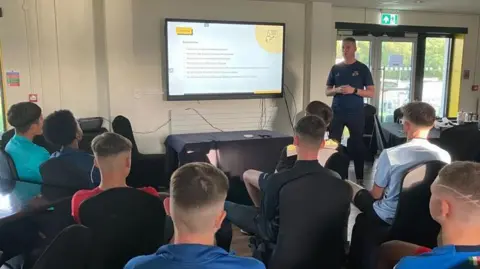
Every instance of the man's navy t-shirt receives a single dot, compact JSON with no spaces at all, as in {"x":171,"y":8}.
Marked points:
{"x":358,"y":76}
{"x":187,"y":256}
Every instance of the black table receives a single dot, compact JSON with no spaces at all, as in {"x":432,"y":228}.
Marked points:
{"x":395,"y":136}
{"x":232,"y":152}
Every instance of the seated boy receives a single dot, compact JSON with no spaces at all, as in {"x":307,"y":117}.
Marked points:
{"x":27,"y":120}
{"x":308,"y":139}
{"x":61,"y":129}
{"x":198,"y":192}
{"x":455,"y":205}
{"x":113,"y":158}
{"x":289,"y":154}
{"x":379,"y":205}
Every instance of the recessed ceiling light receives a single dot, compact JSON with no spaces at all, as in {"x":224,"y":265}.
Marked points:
{"x":419,"y":2}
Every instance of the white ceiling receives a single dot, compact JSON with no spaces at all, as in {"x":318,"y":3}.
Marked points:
{"x":450,"y":6}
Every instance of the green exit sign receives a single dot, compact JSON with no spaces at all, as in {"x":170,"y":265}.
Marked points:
{"x":389,"y":19}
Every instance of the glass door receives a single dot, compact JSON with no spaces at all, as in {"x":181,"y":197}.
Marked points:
{"x":394,"y":76}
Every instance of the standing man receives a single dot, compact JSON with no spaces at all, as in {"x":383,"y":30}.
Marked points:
{"x":349,"y":82}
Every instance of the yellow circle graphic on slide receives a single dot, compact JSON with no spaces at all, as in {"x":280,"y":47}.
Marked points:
{"x":270,"y":37}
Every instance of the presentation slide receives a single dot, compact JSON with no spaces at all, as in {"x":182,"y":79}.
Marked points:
{"x":217,"y":58}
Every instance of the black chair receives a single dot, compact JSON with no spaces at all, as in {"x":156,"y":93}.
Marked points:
{"x":413,"y":222}
{"x":126,"y":223}
{"x":8,"y":173}
{"x":462,"y":141}
{"x":70,"y":249}
{"x":380,"y":137}
{"x":369,"y":131}
{"x":313,"y":240}
{"x":147,"y":169}
{"x":339,"y":163}
{"x":397,"y":115}
{"x":62,"y":179}
{"x":91,"y":127}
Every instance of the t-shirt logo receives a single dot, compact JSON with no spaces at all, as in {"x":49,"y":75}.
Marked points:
{"x":337,"y":74}
{"x":355,"y":73}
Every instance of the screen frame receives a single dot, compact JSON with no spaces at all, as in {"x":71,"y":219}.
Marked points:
{"x":216,"y":96}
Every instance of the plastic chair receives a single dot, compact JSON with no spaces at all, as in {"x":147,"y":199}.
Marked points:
{"x":147,"y":169}
{"x":70,"y":249}
{"x":126,"y":223}
{"x":413,"y":222}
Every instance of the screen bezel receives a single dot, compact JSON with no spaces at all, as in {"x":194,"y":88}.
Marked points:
{"x":216,"y":96}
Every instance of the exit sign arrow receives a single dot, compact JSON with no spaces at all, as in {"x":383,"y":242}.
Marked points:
{"x":389,"y":19}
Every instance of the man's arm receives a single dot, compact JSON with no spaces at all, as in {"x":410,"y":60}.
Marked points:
{"x":369,"y":92}
{"x":382,"y":176}
{"x":332,"y":91}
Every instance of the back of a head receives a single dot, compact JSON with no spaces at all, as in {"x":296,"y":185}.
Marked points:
{"x":112,"y":152}
{"x":458,"y":184}
{"x":198,"y":192}
{"x":420,"y":114}
{"x":321,"y":110}
{"x":310,"y":132}
{"x":60,"y":128}
{"x":23,"y":115}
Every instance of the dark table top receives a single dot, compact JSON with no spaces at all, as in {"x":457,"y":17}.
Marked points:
{"x":178,"y":141}
{"x":396,"y":129}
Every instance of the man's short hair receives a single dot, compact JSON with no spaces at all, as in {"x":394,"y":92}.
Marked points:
{"x":350,"y":39}
{"x":22,"y":115}
{"x":110,"y":144}
{"x":311,"y":130}
{"x":463,"y":177}
{"x":320,"y":109}
{"x":197,"y":185}
{"x":60,"y":128}
{"x":419,"y":113}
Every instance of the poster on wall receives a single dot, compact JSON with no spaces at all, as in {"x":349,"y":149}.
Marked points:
{"x":13,"y":79}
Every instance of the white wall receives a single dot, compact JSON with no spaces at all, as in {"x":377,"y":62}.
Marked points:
{"x":105,"y":57}
{"x":135,"y":47}
{"x":51,"y":44}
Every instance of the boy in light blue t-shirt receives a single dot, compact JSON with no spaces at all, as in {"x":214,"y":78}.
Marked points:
{"x":379,"y":205}
{"x":198,"y":192}
{"x":27,"y":120}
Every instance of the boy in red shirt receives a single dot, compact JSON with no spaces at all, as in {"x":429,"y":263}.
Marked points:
{"x":113,"y":158}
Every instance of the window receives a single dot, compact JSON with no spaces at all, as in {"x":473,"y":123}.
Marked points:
{"x":436,"y":73}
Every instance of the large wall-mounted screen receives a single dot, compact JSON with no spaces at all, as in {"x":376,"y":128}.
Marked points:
{"x":224,"y":60}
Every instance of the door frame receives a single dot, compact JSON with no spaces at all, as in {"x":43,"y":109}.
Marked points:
{"x":377,"y":70}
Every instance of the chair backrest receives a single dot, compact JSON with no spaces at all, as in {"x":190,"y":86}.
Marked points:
{"x":126,"y":223}
{"x":121,"y":125}
{"x":381,"y":141}
{"x":339,"y":163}
{"x":8,"y":173}
{"x":461,"y":141}
{"x":86,"y":142}
{"x":370,"y":112}
{"x":413,"y":222}
{"x":70,"y":249}
{"x":62,"y":179}
{"x":325,"y":154}
{"x":397,"y":115}
{"x":312,"y":237}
